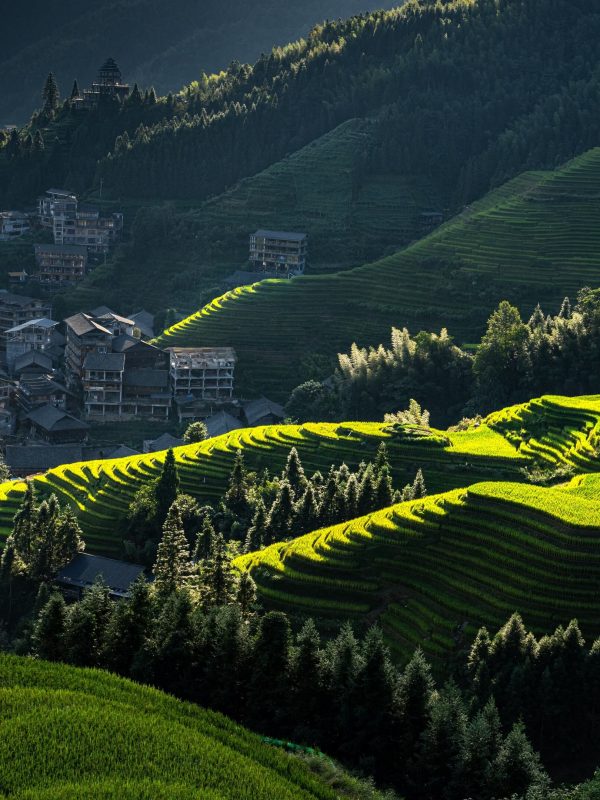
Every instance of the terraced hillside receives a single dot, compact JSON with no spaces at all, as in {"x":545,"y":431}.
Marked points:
{"x":102,"y":490}
{"x":319,"y":189}
{"x":74,"y":733}
{"x":434,"y":570}
{"x":536,"y":238}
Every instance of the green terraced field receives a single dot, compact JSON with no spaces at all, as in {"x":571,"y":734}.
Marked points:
{"x":533,"y":239}
{"x":102,"y":490}
{"x":432,"y":571}
{"x":70,"y":733}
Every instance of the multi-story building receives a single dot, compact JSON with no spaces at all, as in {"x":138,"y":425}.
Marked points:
{"x":60,"y":263}
{"x":89,"y":228}
{"x":103,"y":384}
{"x":15,"y":309}
{"x":12,"y":225}
{"x":56,"y":206}
{"x":278,"y":252}
{"x":108,"y":84}
{"x":205,"y":373}
{"x":37,"y":334}
{"x":84,"y":335}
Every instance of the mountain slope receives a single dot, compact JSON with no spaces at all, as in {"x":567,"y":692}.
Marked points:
{"x":102,"y":490}
{"x":534,"y":239}
{"x":433,"y":571}
{"x":73,"y":733}
{"x":168,"y":50}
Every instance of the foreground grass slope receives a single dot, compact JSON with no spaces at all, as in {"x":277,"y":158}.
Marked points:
{"x":102,"y":490}
{"x":73,"y":733}
{"x":535,"y":238}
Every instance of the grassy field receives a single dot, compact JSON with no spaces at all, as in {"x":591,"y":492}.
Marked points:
{"x":535,"y":238}
{"x":74,"y":733}
{"x":434,"y":570}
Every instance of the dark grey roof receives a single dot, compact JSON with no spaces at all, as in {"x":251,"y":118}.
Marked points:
{"x":124,"y":342}
{"x":283,"y":235}
{"x":70,"y":249}
{"x":33,"y":358}
{"x":147,"y":378}
{"x":122,"y":452}
{"x":112,"y":362}
{"x":163,"y":442}
{"x":35,"y":385}
{"x":222,"y":423}
{"x":55,"y":419}
{"x":255,"y":410}
{"x":101,"y":311}
{"x":8,"y":298}
{"x":85,"y":569}
{"x":82,"y":323}
{"x":144,"y":320}
{"x":39,"y":459}
{"x":63,"y":192}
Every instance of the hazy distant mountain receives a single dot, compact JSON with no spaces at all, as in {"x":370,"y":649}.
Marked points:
{"x":165,"y":45}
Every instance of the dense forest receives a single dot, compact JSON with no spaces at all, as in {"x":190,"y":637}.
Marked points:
{"x":166,"y":50}
{"x":468,"y":93}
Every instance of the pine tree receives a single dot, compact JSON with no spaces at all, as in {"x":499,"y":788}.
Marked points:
{"x":293,"y":473}
{"x":306,"y":512}
{"x":50,"y":95}
{"x":367,"y":492}
{"x":415,"y":695}
{"x":69,"y":539}
{"x":565,"y":309}
{"x":281,"y":515}
{"x":49,"y":631}
{"x":246,"y":594}
{"x":381,"y":459}
{"x":385,"y":490}
{"x":24,"y":525}
{"x":167,"y":485}
{"x":236,"y":498}
{"x":75,"y":90}
{"x":351,"y":497}
{"x":306,"y":681}
{"x":205,"y":541}
{"x":419,"y":490}
{"x":173,"y":556}
{"x":517,"y":767}
{"x":258,"y":531}
{"x":217,"y":575}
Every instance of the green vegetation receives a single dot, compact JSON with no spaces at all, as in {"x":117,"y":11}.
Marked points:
{"x":70,"y":733}
{"x":434,"y":570}
{"x":531,"y":241}
{"x":101,"y":491}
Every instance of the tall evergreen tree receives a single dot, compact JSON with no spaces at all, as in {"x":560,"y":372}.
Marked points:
{"x":173,"y":557}
{"x":293,"y":473}
{"x":50,"y":94}
{"x":48,"y":635}
{"x":167,"y":485}
{"x":258,"y":530}
{"x":281,"y":516}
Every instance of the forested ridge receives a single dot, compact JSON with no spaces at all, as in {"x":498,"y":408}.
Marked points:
{"x":154,"y":46}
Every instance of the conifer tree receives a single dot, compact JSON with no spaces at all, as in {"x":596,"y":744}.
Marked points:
{"x":419,"y":489}
{"x":385,"y":490}
{"x":236,"y":498}
{"x":50,"y":94}
{"x":167,"y":486}
{"x":281,"y":515}
{"x":75,"y":90}
{"x":24,"y":524}
{"x":258,"y":531}
{"x":517,"y":767}
{"x":49,"y":631}
{"x":173,"y":556}
{"x":205,"y":541}
{"x":351,"y":497}
{"x":367,"y":492}
{"x":217,"y":575}
{"x":246,"y":594}
{"x":381,"y":459}
{"x":306,"y":517}
{"x":293,"y":473}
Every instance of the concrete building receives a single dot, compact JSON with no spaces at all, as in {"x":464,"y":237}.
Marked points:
{"x":60,"y":263}
{"x":37,"y":334}
{"x":205,"y":373}
{"x":13,"y":224}
{"x":103,"y":384}
{"x":278,"y":252}
{"x":15,"y":309}
{"x":56,"y":206}
{"x":90,"y":229}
